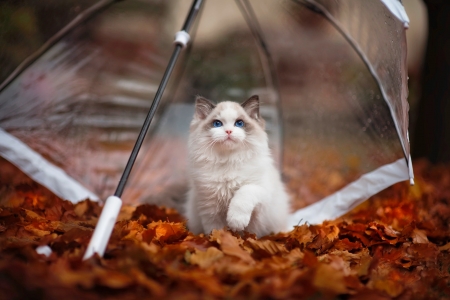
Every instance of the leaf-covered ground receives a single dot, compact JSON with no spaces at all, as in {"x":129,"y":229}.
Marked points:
{"x":395,"y":246}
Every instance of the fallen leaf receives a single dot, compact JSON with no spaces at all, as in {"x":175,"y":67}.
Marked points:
{"x":302,"y":234}
{"x":419,"y":236}
{"x":165,"y":232}
{"x":392,"y":288}
{"x":326,"y":237}
{"x":36,"y":231}
{"x":204,"y":259}
{"x":267,"y":246}
{"x":346,"y":244}
{"x":445,"y":247}
{"x":230,"y":245}
{"x":393,"y":246}
{"x":329,"y":279}
{"x":112,"y":279}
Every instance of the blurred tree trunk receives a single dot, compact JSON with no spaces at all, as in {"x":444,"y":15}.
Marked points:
{"x":432,"y":130}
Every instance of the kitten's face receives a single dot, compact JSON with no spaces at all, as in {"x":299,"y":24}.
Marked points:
{"x":228,"y":126}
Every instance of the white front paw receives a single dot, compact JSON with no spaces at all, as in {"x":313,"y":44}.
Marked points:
{"x":237,"y":220}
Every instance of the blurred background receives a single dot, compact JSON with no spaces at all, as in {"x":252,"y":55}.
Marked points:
{"x":131,"y":42}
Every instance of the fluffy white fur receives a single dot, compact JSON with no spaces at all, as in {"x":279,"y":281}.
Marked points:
{"x":233,"y":181}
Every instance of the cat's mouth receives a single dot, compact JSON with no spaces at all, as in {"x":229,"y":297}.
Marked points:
{"x":228,"y":140}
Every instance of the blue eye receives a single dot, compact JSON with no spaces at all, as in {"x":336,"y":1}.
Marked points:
{"x":239,"y":123}
{"x":217,"y":123}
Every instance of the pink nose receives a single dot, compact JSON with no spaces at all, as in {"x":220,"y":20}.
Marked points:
{"x":228,"y":131}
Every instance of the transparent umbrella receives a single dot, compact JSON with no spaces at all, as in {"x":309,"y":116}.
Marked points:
{"x":331,"y":76}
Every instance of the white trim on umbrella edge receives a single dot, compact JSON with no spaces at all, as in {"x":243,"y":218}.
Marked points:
{"x":41,"y":170}
{"x":355,"y":193}
{"x":396,"y":7}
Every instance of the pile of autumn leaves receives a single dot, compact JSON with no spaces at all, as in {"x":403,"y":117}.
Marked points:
{"x":394,"y":246}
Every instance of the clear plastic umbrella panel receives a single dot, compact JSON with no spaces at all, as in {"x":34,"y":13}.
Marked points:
{"x":331,"y":77}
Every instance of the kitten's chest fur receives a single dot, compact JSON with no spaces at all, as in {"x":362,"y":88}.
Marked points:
{"x":219,"y":182}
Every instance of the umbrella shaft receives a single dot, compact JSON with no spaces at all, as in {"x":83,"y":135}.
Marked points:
{"x":151,"y":113}
{"x":147,"y":122}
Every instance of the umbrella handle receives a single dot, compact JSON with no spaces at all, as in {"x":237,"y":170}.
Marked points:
{"x":104,"y":227}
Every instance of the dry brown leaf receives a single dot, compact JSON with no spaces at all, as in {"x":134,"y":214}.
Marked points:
{"x":151,"y":285}
{"x":36,"y":231}
{"x":389,"y":231}
{"x":329,"y":279}
{"x":133,"y":231}
{"x":267,"y":246}
{"x":294,"y":256}
{"x":32,"y":216}
{"x":362,"y":267}
{"x":346,"y":244}
{"x":392,"y":288}
{"x":126,"y":212}
{"x":446,"y":247}
{"x":302,"y":234}
{"x":54,"y":213}
{"x":204,"y":259}
{"x":419,"y":236}
{"x":112,"y":278}
{"x":333,"y":233}
{"x":230,"y":245}
{"x":152,"y":255}
{"x":199,"y":279}
{"x":63,"y":273}
{"x":326,"y":237}
{"x":81,"y":208}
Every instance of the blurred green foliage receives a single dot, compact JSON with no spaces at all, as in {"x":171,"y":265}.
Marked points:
{"x":19,"y":36}
{"x":25,"y":25}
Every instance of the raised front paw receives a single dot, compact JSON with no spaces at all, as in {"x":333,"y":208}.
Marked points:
{"x":237,"y":220}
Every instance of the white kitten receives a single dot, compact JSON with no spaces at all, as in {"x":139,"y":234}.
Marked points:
{"x":233,"y":181}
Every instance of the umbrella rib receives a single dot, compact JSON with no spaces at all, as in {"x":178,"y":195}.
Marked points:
{"x":151,"y":113}
{"x":269,"y":69}
{"x":318,"y":8}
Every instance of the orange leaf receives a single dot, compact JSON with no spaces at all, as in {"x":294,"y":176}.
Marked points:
{"x":166,"y":232}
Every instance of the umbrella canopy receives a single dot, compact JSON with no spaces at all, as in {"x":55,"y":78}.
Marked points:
{"x":331,"y":76}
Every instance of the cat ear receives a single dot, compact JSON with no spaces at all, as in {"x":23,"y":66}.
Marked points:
{"x":251,"y":106}
{"x":203,"y":107}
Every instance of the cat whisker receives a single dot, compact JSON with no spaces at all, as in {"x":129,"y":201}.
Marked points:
{"x":247,"y":145}
{"x":210,"y":146}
